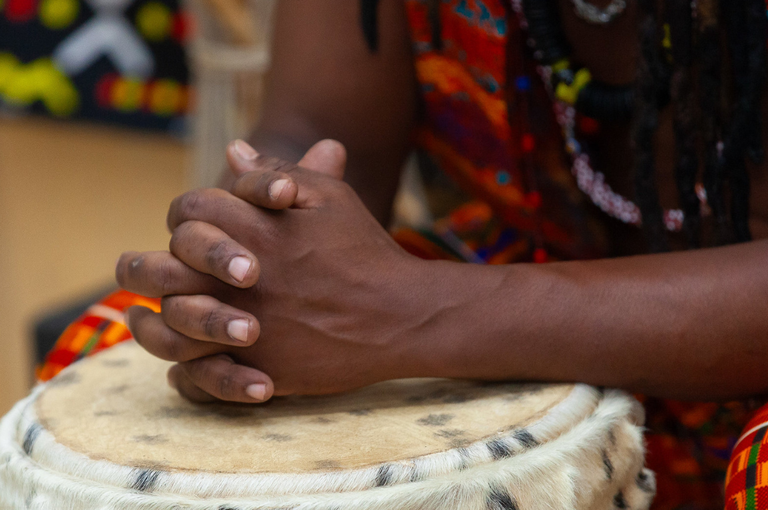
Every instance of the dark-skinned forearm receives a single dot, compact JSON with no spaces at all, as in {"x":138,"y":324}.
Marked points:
{"x":691,"y":325}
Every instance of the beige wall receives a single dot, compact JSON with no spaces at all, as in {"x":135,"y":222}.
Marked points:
{"x":72,"y":198}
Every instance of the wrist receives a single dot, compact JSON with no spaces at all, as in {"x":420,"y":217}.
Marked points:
{"x":417,"y":289}
{"x":440,"y":335}
{"x":483,"y":322}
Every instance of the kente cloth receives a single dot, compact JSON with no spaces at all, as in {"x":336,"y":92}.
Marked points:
{"x":100,"y":327}
{"x":496,"y":201}
{"x":746,"y":482}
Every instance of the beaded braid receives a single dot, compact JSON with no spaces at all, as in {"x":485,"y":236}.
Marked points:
{"x":681,"y":33}
{"x":746,"y":32}
{"x":710,"y":63}
{"x":646,"y":123}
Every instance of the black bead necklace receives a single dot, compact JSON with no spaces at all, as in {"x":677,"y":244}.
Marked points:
{"x":576,"y":87}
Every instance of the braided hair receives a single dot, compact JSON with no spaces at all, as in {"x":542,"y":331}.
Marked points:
{"x":684,"y":98}
{"x":728,"y":136}
{"x":710,"y":114}
{"x":691,"y":76}
{"x":650,"y":69}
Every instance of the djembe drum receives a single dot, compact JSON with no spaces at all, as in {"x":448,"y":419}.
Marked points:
{"x":108,"y":433}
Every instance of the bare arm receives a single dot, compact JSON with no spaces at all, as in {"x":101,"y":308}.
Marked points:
{"x":689,"y":325}
{"x":350,"y":307}
{"x":326,"y":83}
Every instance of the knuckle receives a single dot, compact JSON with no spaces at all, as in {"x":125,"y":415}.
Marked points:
{"x":180,"y":233}
{"x":170,"y":309}
{"x":217,"y":255}
{"x":272,"y":164}
{"x":262,"y":185}
{"x":188,"y":204}
{"x":170,"y":347}
{"x":164,"y":277}
{"x":226,"y":385}
{"x":209,"y":323}
{"x":193,"y":203}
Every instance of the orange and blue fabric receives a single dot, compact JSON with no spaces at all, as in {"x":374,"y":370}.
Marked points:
{"x":99,"y":328}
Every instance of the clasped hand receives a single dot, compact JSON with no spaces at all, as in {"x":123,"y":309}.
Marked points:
{"x":286,"y":285}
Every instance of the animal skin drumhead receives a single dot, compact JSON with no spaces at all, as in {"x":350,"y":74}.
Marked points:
{"x":109,"y":431}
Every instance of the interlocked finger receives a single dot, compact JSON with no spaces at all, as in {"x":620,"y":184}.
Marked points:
{"x":159,"y":273}
{"x":179,"y":381}
{"x":207,"y":319}
{"x":209,"y":250}
{"x":150,"y":331}
{"x":276,"y":189}
{"x":224,"y":379}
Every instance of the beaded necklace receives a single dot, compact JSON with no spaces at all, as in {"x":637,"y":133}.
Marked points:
{"x":576,"y":91}
{"x":596,"y":16}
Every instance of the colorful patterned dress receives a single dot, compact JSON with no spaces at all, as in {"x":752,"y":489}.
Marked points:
{"x":509,"y":197}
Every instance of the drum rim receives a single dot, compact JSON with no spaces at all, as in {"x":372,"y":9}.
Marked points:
{"x":580,"y":403}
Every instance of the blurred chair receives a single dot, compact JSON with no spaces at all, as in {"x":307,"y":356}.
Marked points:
{"x":229,"y":57}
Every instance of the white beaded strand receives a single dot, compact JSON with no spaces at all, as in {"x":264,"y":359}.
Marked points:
{"x":589,"y":181}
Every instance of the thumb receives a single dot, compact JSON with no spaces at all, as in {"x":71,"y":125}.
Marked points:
{"x":327,"y":157}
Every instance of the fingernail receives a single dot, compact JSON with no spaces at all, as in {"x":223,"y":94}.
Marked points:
{"x":245,"y":151}
{"x":239,"y":267}
{"x":256,"y":391}
{"x":238,"y":330}
{"x":276,"y":188}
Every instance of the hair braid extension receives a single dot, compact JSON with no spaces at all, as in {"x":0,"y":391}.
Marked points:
{"x":710,"y":89}
{"x":747,"y":45}
{"x":734,"y":144}
{"x":756,"y":49}
{"x":646,"y":123}
{"x":435,"y":24}
{"x":369,"y":17}
{"x":681,"y":28}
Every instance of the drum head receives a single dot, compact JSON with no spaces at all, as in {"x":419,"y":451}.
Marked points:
{"x":109,"y":432}
{"x":119,"y":407}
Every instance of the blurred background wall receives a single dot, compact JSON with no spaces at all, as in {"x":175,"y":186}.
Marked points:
{"x":72,"y":198}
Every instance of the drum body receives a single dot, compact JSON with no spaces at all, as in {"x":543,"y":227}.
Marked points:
{"x":108,"y":433}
